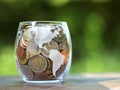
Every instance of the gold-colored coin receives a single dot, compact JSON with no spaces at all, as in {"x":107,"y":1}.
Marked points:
{"x":27,"y":35}
{"x":37,"y":63}
{"x":23,"y":60}
{"x":26,"y":71}
{"x":21,"y":55}
{"x":27,"y":25}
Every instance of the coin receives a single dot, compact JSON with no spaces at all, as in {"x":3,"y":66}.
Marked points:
{"x":37,"y":63}
{"x":23,"y":60}
{"x":64,"y":46}
{"x":41,"y":76}
{"x":44,"y":52}
{"x":50,"y":74}
{"x":25,"y":26}
{"x":65,"y":53}
{"x":26,"y":71}
{"x":49,"y":64}
{"x":49,"y":69}
{"x":59,"y":38}
{"x":60,"y":70}
{"x":20,"y":52}
{"x":44,"y":76}
{"x":56,"y":27}
{"x":51,"y":77}
{"x":51,"y":45}
{"x":27,"y":35}
{"x":32,"y":48}
{"x":23,"y":42}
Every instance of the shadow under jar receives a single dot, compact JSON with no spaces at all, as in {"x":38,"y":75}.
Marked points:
{"x":43,"y":51}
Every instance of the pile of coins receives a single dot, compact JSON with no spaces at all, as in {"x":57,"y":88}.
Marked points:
{"x":40,"y":56}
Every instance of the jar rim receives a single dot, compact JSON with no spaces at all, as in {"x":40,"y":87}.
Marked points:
{"x":43,"y":21}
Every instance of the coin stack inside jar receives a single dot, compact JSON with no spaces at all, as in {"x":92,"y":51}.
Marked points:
{"x":42,"y":52}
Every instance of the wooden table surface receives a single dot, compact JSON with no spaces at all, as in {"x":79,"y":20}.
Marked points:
{"x":106,"y":81}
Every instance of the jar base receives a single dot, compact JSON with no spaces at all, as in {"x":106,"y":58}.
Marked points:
{"x":44,"y":81}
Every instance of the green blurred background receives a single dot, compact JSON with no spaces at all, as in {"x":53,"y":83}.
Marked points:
{"x":94,"y":27}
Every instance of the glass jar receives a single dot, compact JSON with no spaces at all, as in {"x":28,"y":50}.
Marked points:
{"x":43,"y":51}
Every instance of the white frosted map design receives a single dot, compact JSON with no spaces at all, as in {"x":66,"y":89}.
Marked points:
{"x":57,"y":59}
{"x":44,"y":35}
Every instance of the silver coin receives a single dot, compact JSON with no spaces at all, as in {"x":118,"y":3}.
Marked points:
{"x":51,"y":45}
{"x":26,"y":71}
{"x":59,"y":38}
{"x":37,"y":63}
{"x":64,"y":46}
{"x":45,"y":52}
{"x":32,"y":48}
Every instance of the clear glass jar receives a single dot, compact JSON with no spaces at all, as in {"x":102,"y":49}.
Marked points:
{"x":43,"y":51}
